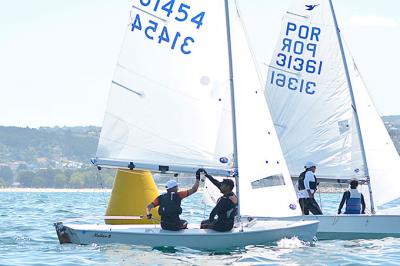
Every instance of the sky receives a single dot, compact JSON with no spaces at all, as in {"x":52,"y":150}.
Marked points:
{"x":57,"y":57}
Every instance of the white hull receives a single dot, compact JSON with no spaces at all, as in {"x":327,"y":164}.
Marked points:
{"x":256,"y":233}
{"x":353,"y":226}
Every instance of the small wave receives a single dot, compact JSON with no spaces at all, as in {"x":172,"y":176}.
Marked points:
{"x":291,"y":243}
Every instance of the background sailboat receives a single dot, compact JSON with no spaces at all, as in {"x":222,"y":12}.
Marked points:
{"x":323,"y":113}
{"x":185,"y":95}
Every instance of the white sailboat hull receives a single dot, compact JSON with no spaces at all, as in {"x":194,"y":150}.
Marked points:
{"x":256,"y":233}
{"x":353,"y":226}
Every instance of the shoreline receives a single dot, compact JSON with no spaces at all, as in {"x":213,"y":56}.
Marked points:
{"x":97,"y":190}
{"x":86,"y":190}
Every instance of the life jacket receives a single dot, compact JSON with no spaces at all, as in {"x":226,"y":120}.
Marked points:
{"x":312,"y":184}
{"x":353,"y":204}
{"x":301,"y":181}
{"x":170,"y":206}
{"x":232,"y":210}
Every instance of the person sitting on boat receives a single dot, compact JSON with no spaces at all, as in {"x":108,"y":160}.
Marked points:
{"x":226,"y":208}
{"x":355,"y":203}
{"x":307,"y":185}
{"x":170,"y":205}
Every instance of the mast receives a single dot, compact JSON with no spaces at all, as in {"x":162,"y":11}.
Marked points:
{"x":354,"y":106}
{"x":232,"y":89}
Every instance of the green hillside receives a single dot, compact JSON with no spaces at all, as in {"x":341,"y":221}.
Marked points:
{"x":60,"y":156}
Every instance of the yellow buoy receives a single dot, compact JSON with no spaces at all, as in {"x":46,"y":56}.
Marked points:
{"x":132,"y":192}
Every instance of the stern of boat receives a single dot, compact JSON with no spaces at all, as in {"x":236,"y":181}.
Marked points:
{"x":62,"y":233}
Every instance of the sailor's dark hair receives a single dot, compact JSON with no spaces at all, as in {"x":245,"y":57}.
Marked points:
{"x":353,"y":184}
{"x":229,"y":182}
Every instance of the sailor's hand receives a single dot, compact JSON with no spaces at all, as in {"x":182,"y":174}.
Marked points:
{"x":198,"y":173}
{"x":149,"y":216}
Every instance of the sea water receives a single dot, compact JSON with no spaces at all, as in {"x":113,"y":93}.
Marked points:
{"x":27,"y":237}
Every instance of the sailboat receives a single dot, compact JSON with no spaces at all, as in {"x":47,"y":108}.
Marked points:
{"x":185,"y":95}
{"x":322,"y":112}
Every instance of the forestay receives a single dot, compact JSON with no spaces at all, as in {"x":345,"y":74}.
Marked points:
{"x":169,"y":102}
{"x":309,"y":96}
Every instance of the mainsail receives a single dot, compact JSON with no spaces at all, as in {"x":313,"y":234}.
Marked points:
{"x":309,"y":94}
{"x":169,"y":102}
{"x":309,"y":97}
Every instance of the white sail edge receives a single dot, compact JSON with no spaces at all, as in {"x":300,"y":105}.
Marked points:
{"x":163,"y":168}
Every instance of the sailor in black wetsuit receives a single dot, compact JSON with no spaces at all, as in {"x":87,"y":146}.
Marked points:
{"x":225,"y":209}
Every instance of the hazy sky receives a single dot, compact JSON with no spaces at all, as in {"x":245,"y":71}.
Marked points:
{"x":57,"y":56}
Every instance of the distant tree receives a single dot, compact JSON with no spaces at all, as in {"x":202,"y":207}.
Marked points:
{"x":25,"y":178}
{"x":22,"y":167}
{"x":77,"y":180}
{"x":7,"y":175}
{"x":2,"y":182}
{"x":38,"y":181}
{"x":91,"y":180}
{"x":60,"y":181}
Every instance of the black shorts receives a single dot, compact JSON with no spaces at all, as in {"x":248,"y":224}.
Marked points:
{"x":216,"y":225}
{"x":174,"y":225}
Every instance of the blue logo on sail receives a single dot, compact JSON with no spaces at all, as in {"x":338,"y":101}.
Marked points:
{"x":223,"y":160}
{"x":310,"y":7}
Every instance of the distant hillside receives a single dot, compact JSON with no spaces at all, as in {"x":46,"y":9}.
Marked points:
{"x":395,"y":119}
{"x":392,"y":124}
{"x":59,"y":156}
{"x":46,"y":145}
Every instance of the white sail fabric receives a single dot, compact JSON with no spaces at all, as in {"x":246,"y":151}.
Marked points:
{"x":265,"y":186}
{"x":309,"y":97}
{"x":211,"y":193}
{"x":169,"y":101}
{"x":382,"y":157}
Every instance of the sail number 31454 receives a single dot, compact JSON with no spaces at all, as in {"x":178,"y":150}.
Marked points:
{"x":154,"y":30}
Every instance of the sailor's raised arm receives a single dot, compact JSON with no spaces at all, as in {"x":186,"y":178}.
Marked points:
{"x":212,"y":179}
{"x":197,"y":183}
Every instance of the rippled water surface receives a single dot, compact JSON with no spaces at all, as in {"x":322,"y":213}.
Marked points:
{"x":27,"y":237}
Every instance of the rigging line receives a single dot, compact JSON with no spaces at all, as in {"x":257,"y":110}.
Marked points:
{"x":148,"y":13}
{"x":250,"y":47}
{"x":357,"y":71}
{"x":98,"y":175}
{"x":320,"y":200}
{"x":128,"y":89}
